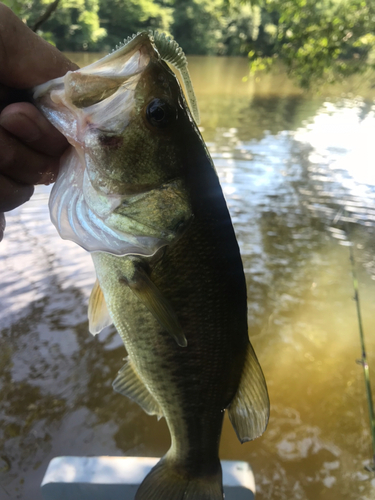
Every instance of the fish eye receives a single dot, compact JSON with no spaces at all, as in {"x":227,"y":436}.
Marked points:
{"x":160,"y":113}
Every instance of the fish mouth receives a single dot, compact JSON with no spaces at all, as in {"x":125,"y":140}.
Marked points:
{"x":99,"y":80}
{"x":77,"y":100}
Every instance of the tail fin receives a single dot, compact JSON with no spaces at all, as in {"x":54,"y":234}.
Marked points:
{"x":168,"y":481}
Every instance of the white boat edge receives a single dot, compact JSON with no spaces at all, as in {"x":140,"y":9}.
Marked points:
{"x":100,"y":478}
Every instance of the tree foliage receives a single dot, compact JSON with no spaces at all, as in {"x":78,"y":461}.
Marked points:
{"x":125,"y":17}
{"x":75,"y":25}
{"x":316,"y":40}
{"x":319,"y":41}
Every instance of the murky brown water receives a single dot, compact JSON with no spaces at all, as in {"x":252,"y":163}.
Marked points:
{"x":290,"y":164}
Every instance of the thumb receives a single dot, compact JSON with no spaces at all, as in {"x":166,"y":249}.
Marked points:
{"x":26,"y":59}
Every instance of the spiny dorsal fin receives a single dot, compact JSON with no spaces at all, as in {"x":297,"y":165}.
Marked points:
{"x":130,"y":385}
{"x":142,"y":286}
{"x":125,"y":42}
{"x":250,"y":408}
{"x":98,"y":313}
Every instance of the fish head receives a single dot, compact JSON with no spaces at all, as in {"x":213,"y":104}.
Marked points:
{"x":122,"y":185}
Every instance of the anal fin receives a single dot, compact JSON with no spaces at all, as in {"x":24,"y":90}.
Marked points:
{"x":98,"y":313}
{"x":129,"y":384}
{"x":250,"y":407}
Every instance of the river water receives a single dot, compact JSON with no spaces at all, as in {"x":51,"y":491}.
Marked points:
{"x":298,"y":174}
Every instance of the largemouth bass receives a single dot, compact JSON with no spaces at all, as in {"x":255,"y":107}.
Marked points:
{"x":138,"y":189}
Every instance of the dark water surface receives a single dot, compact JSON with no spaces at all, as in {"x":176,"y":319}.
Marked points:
{"x":291,"y":167}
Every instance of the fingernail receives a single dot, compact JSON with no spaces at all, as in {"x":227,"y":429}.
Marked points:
{"x":50,"y":175}
{"x":21,"y":126}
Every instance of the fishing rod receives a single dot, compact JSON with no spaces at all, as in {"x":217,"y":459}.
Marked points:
{"x":363,"y":361}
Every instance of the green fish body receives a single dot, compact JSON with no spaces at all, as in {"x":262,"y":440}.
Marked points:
{"x":174,"y":285}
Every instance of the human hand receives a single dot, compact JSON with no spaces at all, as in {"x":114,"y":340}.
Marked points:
{"x":30,"y":147}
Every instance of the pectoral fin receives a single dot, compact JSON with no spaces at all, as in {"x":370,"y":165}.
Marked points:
{"x":250,"y":407}
{"x":142,"y":286}
{"x":129,"y":384}
{"x":98,"y":313}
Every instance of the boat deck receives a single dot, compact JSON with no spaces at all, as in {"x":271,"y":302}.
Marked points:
{"x":118,"y":478}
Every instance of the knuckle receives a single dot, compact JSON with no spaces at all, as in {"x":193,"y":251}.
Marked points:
{"x":8,"y":157}
{"x":6,"y":16}
{"x":13,"y":194}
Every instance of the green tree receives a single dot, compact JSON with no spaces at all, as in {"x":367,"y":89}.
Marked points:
{"x":125,"y":17}
{"x":243,"y":23}
{"x":319,"y":41}
{"x":198,"y":26}
{"x":75,"y":24}
{"x":316,"y":41}
{"x":17,"y":6}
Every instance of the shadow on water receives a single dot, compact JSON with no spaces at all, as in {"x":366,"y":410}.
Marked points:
{"x":290,"y":165}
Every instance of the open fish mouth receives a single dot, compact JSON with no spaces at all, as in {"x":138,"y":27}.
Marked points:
{"x":104,"y":84}
{"x":98,"y":95}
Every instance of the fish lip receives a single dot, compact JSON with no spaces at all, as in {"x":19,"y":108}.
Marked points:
{"x":175,"y":235}
{"x":140,"y":43}
{"x":149,"y":255}
{"x":137,"y":193}
{"x":168,"y":236}
{"x":63,"y":94}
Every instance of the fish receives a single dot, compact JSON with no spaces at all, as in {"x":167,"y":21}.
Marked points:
{"x":139,"y":191}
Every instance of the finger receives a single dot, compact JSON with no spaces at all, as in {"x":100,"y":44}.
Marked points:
{"x":2,"y":225}
{"x":9,"y":95}
{"x":13,"y":194}
{"x":26,"y":59}
{"x":24,"y":121}
{"x":22,"y":164}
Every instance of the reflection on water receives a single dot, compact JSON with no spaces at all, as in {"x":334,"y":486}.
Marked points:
{"x":293,"y":169}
